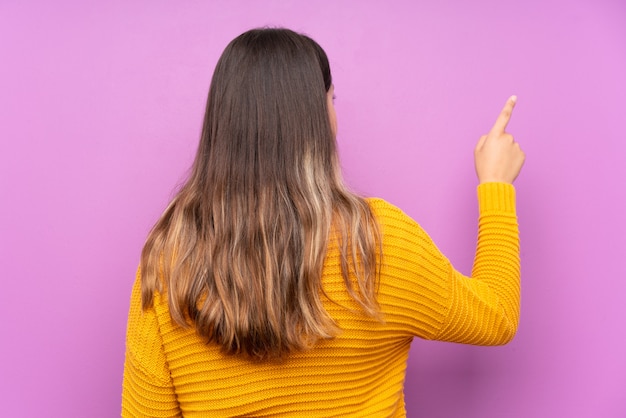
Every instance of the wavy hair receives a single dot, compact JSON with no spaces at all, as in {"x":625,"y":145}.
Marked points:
{"x":240,"y":248}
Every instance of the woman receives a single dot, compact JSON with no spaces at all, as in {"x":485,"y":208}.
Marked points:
{"x":267,"y":288}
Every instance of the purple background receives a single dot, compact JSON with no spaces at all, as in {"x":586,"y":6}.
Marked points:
{"x":100,"y":113}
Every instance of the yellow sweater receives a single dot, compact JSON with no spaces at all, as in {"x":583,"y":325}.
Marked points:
{"x":170,"y":372}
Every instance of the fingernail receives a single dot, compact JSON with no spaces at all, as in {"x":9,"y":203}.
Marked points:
{"x":514,"y":98}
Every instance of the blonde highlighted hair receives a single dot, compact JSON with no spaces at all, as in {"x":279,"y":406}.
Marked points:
{"x":240,"y":249}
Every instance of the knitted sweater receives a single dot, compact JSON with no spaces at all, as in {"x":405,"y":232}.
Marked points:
{"x":169,"y":371}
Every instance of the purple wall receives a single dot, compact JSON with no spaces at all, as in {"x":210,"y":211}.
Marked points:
{"x":100,"y":113}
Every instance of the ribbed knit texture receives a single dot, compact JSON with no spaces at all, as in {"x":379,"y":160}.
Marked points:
{"x":170,"y":372}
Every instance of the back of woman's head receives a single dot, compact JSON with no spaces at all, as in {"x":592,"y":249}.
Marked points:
{"x":241,"y":247}
{"x":267,"y":120}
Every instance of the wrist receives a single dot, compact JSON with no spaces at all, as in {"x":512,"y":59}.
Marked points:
{"x":496,"y":197}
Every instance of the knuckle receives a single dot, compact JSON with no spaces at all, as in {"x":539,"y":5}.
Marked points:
{"x":480,"y":143}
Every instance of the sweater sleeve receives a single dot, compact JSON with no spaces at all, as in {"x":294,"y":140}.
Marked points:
{"x":429,"y":298}
{"x":484,"y":309}
{"x":147,"y":389}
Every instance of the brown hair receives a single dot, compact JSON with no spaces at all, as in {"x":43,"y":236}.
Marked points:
{"x":240,"y":248}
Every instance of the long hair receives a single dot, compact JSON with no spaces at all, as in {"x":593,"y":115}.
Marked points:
{"x":240,"y":249}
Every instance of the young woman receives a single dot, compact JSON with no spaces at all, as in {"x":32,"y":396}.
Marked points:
{"x":267,"y":288}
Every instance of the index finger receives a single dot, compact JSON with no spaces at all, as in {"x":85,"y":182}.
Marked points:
{"x":504,"y":116}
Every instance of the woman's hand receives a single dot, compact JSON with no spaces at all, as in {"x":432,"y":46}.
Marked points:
{"x":497,"y":157}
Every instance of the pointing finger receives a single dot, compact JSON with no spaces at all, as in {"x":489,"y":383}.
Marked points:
{"x":504,"y":117}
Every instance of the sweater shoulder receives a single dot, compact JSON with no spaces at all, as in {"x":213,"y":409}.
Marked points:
{"x":382,"y":207}
{"x":389,"y":216}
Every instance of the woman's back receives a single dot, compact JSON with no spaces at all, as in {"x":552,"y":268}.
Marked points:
{"x":171,"y":371}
